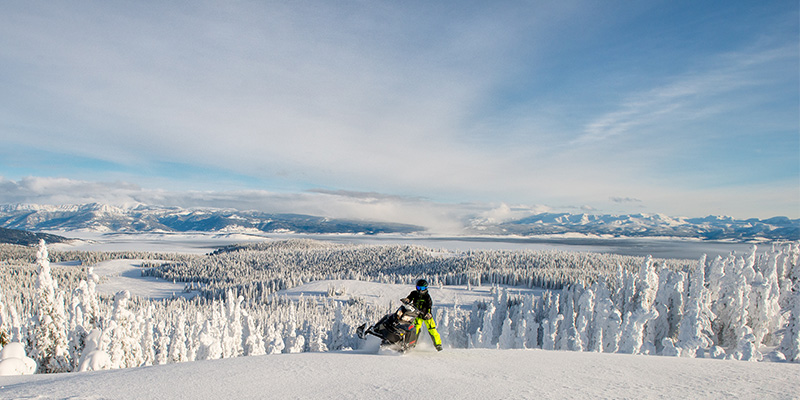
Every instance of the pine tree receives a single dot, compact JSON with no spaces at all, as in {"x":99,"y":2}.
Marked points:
{"x":317,"y":342}
{"x":765,"y":311}
{"x":124,"y":345}
{"x":210,"y":346}
{"x":94,"y":357}
{"x":790,"y":345}
{"x":568,"y":337}
{"x":632,"y":338}
{"x":275,"y":344}
{"x":178,"y":349}
{"x":551,"y":324}
{"x":695,"y":331}
{"x":49,"y":336}
{"x":5,"y":336}
{"x":508,"y":336}
{"x":584,"y":320}
{"x":487,"y":328}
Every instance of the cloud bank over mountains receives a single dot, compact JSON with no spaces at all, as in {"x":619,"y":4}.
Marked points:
{"x":434,"y":217}
{"x":54,"y":204}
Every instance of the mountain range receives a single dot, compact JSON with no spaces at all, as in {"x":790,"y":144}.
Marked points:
{"x":143,"y":218}
{"x":106,"y":218}
{"x":646,"y":225}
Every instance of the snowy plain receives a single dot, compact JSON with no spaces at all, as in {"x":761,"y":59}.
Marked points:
{"x":118,"y":275}
{"x":205,"y":242}
{"x":371,"y":373}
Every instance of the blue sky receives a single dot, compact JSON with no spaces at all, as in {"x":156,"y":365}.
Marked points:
{"x":404,"y":110}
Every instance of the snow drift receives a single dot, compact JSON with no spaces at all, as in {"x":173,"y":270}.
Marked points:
{"x":465,"y":374}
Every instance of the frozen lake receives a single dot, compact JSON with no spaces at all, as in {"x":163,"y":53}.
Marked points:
{"x":201,"y":243}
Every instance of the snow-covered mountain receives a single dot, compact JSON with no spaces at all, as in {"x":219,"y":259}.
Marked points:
{"x":646,"y":225}
{"x":142,"y":218}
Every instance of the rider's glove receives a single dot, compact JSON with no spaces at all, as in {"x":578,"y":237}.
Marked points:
{"x":405,"y":300}
{"x":428,"y":316}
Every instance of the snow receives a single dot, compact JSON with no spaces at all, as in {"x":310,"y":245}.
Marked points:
{"x":14,"y":361}
{"x":389,"y":294}
{"x":369,"y":373}
{"x":126,"y":275}
{"x":205,"y":242}
{"x":475,"y":373}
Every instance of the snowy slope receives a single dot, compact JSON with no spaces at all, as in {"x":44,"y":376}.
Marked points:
{"x":451,"y":374}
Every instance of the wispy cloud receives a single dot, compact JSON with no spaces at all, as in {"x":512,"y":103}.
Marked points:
{"x":625,"y":200}
{"x":392,"y":108}
{"x":688,"y":97}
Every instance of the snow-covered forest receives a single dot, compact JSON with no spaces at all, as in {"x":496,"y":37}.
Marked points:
{"x":742,"y":307}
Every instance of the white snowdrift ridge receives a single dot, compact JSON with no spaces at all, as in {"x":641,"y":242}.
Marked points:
{"x":451,"y":374}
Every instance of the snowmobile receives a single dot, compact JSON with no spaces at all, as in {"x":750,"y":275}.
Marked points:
{"x":396,"y":330}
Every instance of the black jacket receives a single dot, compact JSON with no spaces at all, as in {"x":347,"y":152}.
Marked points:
{"x":422,"y":301}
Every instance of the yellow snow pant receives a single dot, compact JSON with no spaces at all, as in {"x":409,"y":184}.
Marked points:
{"x":437,"y":340}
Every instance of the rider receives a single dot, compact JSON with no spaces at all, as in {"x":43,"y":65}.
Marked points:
{"x":422,"y":301}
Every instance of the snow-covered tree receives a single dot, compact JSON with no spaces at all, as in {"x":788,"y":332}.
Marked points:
{"x":695,"y":331}
{"x":232,"y":326}
{"x":254,"y":339}
{"x":508,"y":336}
{"x":124,"y":334}
{"x":48,"y":338}
{"x":568,"y":337}
{"x":275,"y":344}
{"x":5,"y":335}
{"x":584,"y":319}
{"x":317,"y":341}
{"x":551,"y":323}
{"x":606,"y":322}
{"x":632,"y":337}
{"x":734,"y":305}
{"x":765,"y":310}
{"x":487,"y":327}
{"x":790,"y":345}
{"x":210,"y":346}
{"x":94,"y":357}
{"x":178,"y":349}
{"x":339,"y":331}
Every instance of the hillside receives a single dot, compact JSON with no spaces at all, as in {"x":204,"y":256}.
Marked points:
{"x":25,"y":238}
{"x":451,"y":374}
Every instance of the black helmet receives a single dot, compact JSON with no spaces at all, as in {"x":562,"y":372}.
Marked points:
{"x":422,"y":285}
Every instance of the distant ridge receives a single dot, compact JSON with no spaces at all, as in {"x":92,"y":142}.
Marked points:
{"x":647,"y":225}
{"x":142,"y":218}
{"x":25,"y":238}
